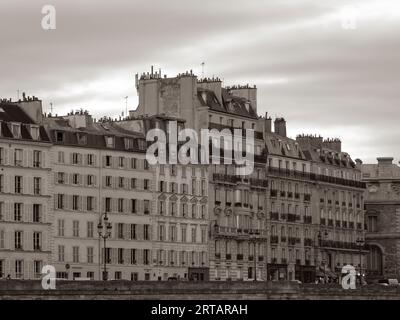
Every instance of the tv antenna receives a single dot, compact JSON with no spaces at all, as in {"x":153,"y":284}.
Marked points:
{"x":202,"y":69}
{"x":51,"y":107}
{"x":126,"y":105}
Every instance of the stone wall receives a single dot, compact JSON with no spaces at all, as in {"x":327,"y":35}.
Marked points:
{"x":126,"y":290}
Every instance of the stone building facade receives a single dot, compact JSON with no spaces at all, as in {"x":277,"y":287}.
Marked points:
{"x":382,"y":209}
{"x":26,"y":216}
{"x":297,"y":213}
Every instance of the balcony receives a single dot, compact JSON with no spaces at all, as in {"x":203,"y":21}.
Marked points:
{"x":344,"y":224}
{"x":308,"y":219}
{"x":351,"y":225}
{"x":330,"y":222}
{"x":315,"y":177}
{"x":262,"y":183}
{"x":337,"y":203}
{"x":283,"y":261}
{"x":231,"y":232}
{"x":274,"y":216}
{"x":359,"y":226}
{"x":283,"y":216}
{"x":274,"y":260}
{"x":260,"y":258}
{"x":228,"y":256}
{"x":298,"y":261}
{"x":283,"y":239}
{"x":307,"y":197}
{"x":308,"y":242}
{"x":290,"y":194}
{"x":323,"y":221}
{"x":274,"y":239}
{"x":282,"y":194}
{"x":291,"y":217}
{"x":274,"y":193}
{"x":292,"y":241}
{"x":251,"y":258}
{"x":337,"y":224}
{"x":297,"y":195}
{"x":239,"y":256}
{"x":217,"y":256}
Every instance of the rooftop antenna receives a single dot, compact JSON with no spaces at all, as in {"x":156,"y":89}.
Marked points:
{"x":18,"y":95}
{"x":202,"y":69}
{"x":51,"y":107}
{"x":126,"y":105}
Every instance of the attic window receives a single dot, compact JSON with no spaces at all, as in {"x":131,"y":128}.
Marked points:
{"x":59,"y":136}
{"x":16,"y":130}
{"x":109,"y":141}
{"x":142,"y":144}
{"x":34,"y":132}
{"x":128,"y":143}
{"x":82,"y":138}
{"x":288,"y":146}
{"x":247,"y":105}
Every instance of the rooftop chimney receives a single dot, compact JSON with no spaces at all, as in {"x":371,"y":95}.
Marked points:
{"x":280,"y":127}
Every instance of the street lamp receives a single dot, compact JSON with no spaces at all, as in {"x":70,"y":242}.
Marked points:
{"x":360,"y":244}
{"x":104,"y":231}
{"x":320,"y":246}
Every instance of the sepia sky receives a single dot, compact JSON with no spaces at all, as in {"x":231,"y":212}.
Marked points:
{"x":329,"y":67}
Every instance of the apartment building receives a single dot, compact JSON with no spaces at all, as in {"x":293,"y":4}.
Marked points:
{"x":338,"y":205}
{"x":382,"y":208}
{"x":25,"y":191}
{"x":100,"y":169}
{"x":291,"y":253}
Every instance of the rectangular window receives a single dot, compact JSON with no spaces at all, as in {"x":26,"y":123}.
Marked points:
{"x":36,"y":217}
{"x":75,"y":200}
{"x":120,"y":205}
{"x":19,"y":268}
{"x":145,"y":184}
{"x":108,"y":161}
{"x":60,"y":201}
{"x":60,"y":157}
{"x":37,"y":186}
{"x":146,"y":206}
{"x":61,"y":224}
{"x":133,"y":183}
{"x":89,"y":203}
{"x":60,"y":177}
{"x":133,"y":256}
{"x":108,"y":204}
{"x":61,"y":252}
{"x":37,"y":155}
{"x":133,"y":232}
{"x":90,"y":159}
{"x":18,"y":184}
{"x":90,"y":226}
{"x":120,"y":230}
{"x":18,"y":157}
{"x":146,"y":233}
{"x":75,"y":228}
{"x":133,"y":205}
{"x":37,"y":241}
{"x":90,"y":254}
{"x":17,"y":211}
{"x":75,"y":158}
{"x":18,"y":240}
{"x":75,"y":254}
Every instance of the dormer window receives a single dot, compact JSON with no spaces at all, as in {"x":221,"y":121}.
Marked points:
{"x":109,"y":141}
{"x":128,"y":143}
{"x":142,"y":144}
{"x":59,"y":136}
{"x":34,"y":132}
{"x":82,"y":138}
{"x":16,"y":130}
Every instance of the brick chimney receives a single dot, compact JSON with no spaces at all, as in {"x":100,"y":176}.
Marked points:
{"x":280,"y":127}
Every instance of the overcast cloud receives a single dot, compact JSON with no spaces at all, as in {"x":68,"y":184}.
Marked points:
{"x":322,"y":77}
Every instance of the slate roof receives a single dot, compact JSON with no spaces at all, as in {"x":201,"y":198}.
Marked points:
{"x":230,"y":104}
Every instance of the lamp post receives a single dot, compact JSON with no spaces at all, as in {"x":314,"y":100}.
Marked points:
{"x":104,"y":231}
{"x":320,"y":249}
{"x":360,"y":244}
